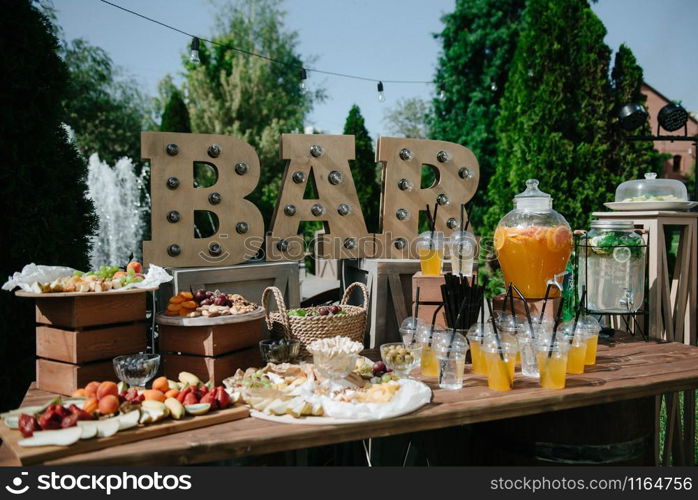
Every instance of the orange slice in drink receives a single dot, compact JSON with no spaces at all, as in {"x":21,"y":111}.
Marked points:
{"x":558,"y":238}
{"x":499,"y":236}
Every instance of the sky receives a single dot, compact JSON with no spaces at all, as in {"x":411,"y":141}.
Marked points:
{"x":382,"y":39}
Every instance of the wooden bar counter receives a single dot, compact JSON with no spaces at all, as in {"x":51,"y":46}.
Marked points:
{"x":625,"y":371}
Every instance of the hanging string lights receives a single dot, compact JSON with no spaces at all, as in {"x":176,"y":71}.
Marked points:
{"x":196,"y":42}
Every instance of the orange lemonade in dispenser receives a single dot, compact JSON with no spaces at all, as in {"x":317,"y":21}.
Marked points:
{"x":533,"y":242}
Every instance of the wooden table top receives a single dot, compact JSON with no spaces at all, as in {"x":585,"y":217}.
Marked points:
{"x":623,"y":371}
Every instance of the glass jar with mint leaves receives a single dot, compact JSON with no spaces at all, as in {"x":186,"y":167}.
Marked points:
{"x":612,"y":267}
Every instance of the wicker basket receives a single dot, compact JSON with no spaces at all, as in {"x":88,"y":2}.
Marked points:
{"x":309,"y":328}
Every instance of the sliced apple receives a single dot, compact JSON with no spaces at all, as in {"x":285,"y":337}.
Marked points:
{"x":59,"y":437}
{"x":152,"y":404}
{"x":198,"y":409}
{"x":189,"y":378}
{"x":176,"y":408}
{"x":122,"y":386}
{"x":129,"y":419}
{"x":79,"y":402}
{"x":88,"y":428}
{"x":12,"y":421}
{"x":107,"y":428}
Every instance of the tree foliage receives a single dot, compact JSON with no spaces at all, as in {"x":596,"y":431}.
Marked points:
{"x":557,"y":121}
{"x":42,"y":188}
{"x":175,"y":117}
{"x":105,"y":109}
{"x":478,"y":42}
{"x":364,"y":169}
{"x":408,"y":118}
{"x":248,"y":97}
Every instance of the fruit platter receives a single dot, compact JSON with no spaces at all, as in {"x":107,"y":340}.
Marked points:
{"x":305,"y":394}
{"x":206,"y":307}
{"x":107,"y":413}
{"x":53,"y":281}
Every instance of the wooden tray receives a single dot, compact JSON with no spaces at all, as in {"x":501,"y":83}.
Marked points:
{"x":58,"y":295}
{"x":161,"y":319}
{"x":35,"y":455}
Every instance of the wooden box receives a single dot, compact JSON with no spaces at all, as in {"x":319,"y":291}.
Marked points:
{"x":215,"y":368}
{"x":249,"y":280}
{"x":65,"y":378}
{"x":82,"y":346}
{"x":429,"y":291}
{"x":534,"y":306}
{"x":211,"y":340}
{"x":91,"y":309}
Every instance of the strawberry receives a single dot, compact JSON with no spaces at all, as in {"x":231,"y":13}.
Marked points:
{"x":222,"y":397}
{"x":210,"y":398}
{"x":203,"y":390}
{"x":70,"y":420}
{"x":51,"y":419}
{"x":82,"y":414}
{"x":190,"y":399}
{"x":28,"y":424}
{"x":183,"y":393}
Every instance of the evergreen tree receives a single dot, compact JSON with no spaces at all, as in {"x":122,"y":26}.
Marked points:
{"x":248,"y":97}
{"x":478,"y":42}
{"x":175,"y":117}
{"x":47,"y":218}
{"x":364,"y":169}
{"x":555,"y":113}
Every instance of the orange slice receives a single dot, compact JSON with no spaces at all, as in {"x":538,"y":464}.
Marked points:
{"x":558,"y":238}
{"x":499,"y":238}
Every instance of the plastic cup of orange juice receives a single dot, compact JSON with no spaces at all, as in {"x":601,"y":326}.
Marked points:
{"x":552,"y":362}
{"x":430,"y":250}
{"x":501,"y":362}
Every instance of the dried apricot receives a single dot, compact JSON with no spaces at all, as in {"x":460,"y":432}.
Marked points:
{"x":184,"y":311}
{"x":174,"y":307}
{"x":190,"y":304}
{"x":186,"y":295}
{"x":90,"y":405}
{"x":176,"y":299}
{"x":171,"y":313}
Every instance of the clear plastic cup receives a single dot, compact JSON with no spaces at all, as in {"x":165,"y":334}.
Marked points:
{"x":501,"y":361}
{"x":408,"y":329}
{"x":591,"y":329}
{"x":430,"y":250}
{"x":476,"y":334}
{"x":552,"y":362}
{"x":462,"y":247}
{"x":429,"y":365}
{"x":527,"y":352}
{"x":450,"y":352}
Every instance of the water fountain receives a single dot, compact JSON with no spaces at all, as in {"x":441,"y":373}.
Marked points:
{"x":121,"y":204}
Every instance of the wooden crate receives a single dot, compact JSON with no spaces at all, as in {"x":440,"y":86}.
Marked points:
{"x":429,"y":291}
{"x":215,"y":368}
{"x":211,"y":340}
{"x":91,"y":309}
{"x":65,"y":378}
{"x":249,"y":280}
{"x":82,"y":346}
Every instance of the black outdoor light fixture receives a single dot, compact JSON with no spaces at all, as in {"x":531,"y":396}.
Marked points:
{"x":671,"y":118}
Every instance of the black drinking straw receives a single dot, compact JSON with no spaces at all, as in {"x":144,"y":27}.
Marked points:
{"x":460,"y":242}
{"x":528,"y":311}
{"x":545,"y":302}
{"x":558,"y":315}
{"x":510,"y":293}
{"x":416,"y":306}
{"x":579,"y":310}
{"x":494,"y":328}
{"x":433,"y":220}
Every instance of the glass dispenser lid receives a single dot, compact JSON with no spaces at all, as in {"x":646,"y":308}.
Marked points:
{"x":533,"y":198}
{"x":651,"y":189}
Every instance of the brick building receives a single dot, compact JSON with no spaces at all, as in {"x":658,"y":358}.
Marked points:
{"x":683,"y":154}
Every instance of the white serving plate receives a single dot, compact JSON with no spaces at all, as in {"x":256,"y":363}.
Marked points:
{"x":630,"y":206}
{"x":161,"y":319}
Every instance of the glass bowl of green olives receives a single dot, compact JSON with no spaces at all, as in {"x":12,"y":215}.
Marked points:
{"x":401,"y":358}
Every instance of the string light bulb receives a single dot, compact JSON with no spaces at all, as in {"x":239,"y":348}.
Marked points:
{"x":381,"y":95}
{"x":304,"y":76}
{"x":194,"y":57}
{"x":442,"y":92}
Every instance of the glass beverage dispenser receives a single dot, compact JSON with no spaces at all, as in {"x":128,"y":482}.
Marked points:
{"x":612,"y":267}
{"x":533,"y":242}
